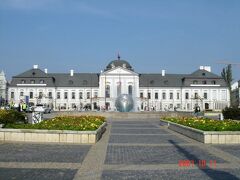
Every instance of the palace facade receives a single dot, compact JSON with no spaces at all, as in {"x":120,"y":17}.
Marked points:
{"x":159,"y":92}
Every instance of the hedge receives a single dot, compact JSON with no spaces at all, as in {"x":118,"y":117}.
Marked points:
{"x":231,"y":113}
{"x":11,"y":116}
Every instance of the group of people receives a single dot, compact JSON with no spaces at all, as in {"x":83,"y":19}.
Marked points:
{"x":20,"y":107}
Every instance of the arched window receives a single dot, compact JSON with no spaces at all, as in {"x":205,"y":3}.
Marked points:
{"x":195,"y":82}
{"x":213,"y":82}
{"x":108,"y":91}
{"x":130,"y":89}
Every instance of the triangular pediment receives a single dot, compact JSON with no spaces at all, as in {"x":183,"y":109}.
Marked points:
{"x":120,"y":70}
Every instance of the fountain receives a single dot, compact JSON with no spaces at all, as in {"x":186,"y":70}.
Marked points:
{"x":124,"y":103}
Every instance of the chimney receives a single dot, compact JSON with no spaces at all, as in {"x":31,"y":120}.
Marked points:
{"x":207,"y":68}
{"x":46,"y":71}
{"x":163,"y":72}
{"x":201,"y":67}
{"x":35,"y":66}
{"x":71,"y":72}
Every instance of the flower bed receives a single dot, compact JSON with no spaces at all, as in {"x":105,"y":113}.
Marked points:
{"x":205,"y":124}
{"x":74,"y":123}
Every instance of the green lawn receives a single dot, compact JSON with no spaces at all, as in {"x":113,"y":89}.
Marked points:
{"x":206,"y":124}
{"x":75,"y":123}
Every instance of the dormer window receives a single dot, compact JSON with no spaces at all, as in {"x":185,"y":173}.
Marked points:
{"x":165,"y":82}
{"x":213,"y":82}
{"x":195,"y":82}
{"x":204,"y":82}
{"x":32,"y":81}
{"x":124,"y":65}
{"x":23,"y":81}
{"x":203,"y":74}
{"x":41,"y":81}
{"x":70,"y":82}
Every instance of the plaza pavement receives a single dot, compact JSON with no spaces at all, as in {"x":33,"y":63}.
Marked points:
{"x":129,"y":149}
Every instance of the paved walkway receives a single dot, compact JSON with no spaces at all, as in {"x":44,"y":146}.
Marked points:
{"x":129,"y":149}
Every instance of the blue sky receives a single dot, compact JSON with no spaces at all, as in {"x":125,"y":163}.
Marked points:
{"x":151,"y":35}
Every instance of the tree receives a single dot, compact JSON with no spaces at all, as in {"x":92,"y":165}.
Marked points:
{"x":227,"y":76}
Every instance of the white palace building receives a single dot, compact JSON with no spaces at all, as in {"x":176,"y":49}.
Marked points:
{"x":158,"y":92}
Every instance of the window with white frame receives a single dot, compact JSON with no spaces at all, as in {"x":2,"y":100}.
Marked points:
{"x":163,"y":95}
{"x":88,"y":95}
{"x":65,"y":95}
{"x":80,"y":95}
{"x":73,"y":95}
{"x":58,"y":95}
{"x":223,"y":95}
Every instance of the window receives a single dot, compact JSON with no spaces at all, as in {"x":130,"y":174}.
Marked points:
{"x":95,"y":94}
{"x":23,"y":81}
{"x":195,"y":95}
{"x":213,"y":82}
{"x":12,"y":94}
{"x":40,"y":95}
{"x":80,"y":95}
{"x":130,"y":89}
{"x":178,"y":95}
{"x":156,"y":95}
{"x":73,"y":95}
{"x":58,"y":95}
{"x":149,"y":95}
{"x":204,"y":82}
{"x":171,"y":95}
{"x":224,"y":95}
{"x":186,"y":95}
{"x":195,"y":82}
{"x":203,"y":74}
{"x":21,"y":93}
{"x":41,"y":81}
{"x":32,"y":81}
{"x":50,"y":95}
{"x":163,"y":95}
{"x":88,"y":95}
{"x":205,"y":95}
{"x":65,"y":95}
{"x":214,"y":94}
{"x":31,"y":95}
{"x":141,"y":94}
{"x":108,"y":91}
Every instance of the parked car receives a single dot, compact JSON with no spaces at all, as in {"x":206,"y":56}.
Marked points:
{"x":29,"y":109}
{"x":42,"y":108}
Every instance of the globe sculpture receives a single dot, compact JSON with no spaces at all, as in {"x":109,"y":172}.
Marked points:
{"x":124,"y":103}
